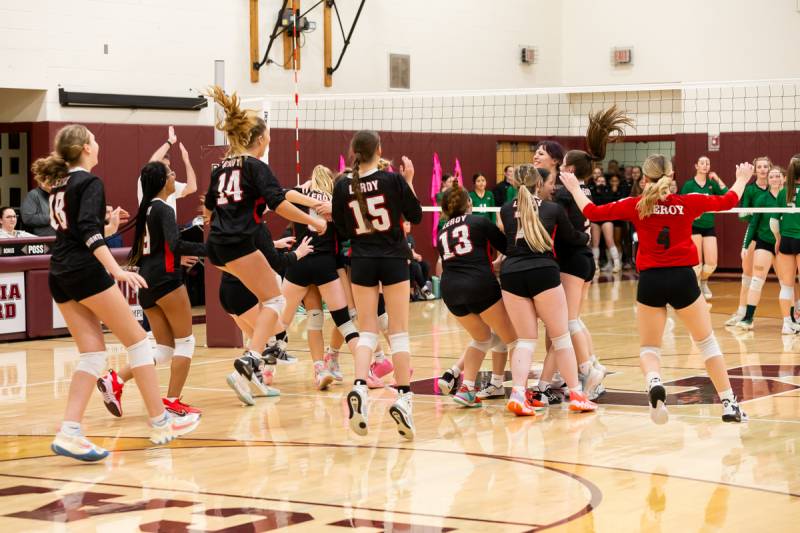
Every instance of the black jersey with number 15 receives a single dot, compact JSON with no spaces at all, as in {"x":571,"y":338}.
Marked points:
{"x":388,"y":198}
{"x":239,"y":188}
{"x":77,"y":213}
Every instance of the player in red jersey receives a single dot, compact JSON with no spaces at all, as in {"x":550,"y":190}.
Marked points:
{"x":665,"y":259}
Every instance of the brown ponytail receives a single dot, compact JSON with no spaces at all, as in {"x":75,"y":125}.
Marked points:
{"x":657,"y":169}
{"x":602,"y":125}
{"x":364,"y":145}
{"x":67,"y":149}
{"x":242,"y":127}
{"x":455,"y":201}
{"x":791,"y":179}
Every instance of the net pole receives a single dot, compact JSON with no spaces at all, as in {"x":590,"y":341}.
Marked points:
{"x":296,"y":99}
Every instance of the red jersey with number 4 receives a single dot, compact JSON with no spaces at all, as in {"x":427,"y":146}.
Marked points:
{"x":239,"y":188}
{"x":379,"y":231}
{"x":665,"y":237}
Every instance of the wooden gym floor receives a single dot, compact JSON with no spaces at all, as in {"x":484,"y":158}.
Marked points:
{"x":291,"y":463}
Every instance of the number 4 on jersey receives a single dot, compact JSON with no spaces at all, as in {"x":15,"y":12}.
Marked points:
{"x":229,"y":188}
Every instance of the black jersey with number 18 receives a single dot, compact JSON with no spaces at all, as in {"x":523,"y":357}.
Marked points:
{"x":77,"y":212}
{"x":389,"y":199}
{"x":239,"y":188}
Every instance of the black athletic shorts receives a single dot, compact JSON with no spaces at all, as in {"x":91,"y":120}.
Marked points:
{"x":764,"y":245}
{"x":313,"y":270}
{"x":675,"y":286}
{"x":529,"y":283}
{"x":342,"y":260}
{"x":578,"y":263}
{"x":236,"y":299}
{"x":79,"y":285}
{"x":789,"y":246}
{"x":705,"y":232}
{"x":476,"y":307}
{"x":149,"y":296}
{"x":369,"y":271}
{"x":222,"y":254}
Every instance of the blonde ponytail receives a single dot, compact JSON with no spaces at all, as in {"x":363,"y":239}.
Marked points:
{"x":242,"y":127}
{"x":532,"y":228}
{"x":658,"y":171}
{"x":322,"y":179}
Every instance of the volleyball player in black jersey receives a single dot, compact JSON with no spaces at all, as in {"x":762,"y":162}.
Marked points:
{"x":319,"y":269}
{"x":577,"y":262}
{"x":367,"y":209}
{"x":82,"y":282}
{"x":157,"y":250}
{"x":532,"y":287}
{"x":239,"y":187}
{"x":469,"y":287}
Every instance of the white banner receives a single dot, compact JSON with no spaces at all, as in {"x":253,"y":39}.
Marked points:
{"x":12,"y":302}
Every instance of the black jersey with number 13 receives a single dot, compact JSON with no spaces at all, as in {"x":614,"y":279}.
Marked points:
{"x":388,"y":198}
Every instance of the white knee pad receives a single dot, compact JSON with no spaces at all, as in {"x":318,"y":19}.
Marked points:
{"x":583,"y":325}
{"x":650,"y":350}
{"x":93,"y":363}
{"x":525,"y":344}
{"x":368,"y":339}
{"x":184,"y":347}
{"x":709,"y":269}
{"x":483,"y":346}
{"x":498,"y":346}
{"x":140,"y":354}
{"x":383,"y":322}
{"x":757,"y":284}
{"x":575,"y":327}
{"x":353,"y":314}
{"x":709,"y":347}
{"x":276,"y":304}
{"x":511,"y":345}
{"x":163,"y":354}
{"x":746,"y":281}
{"x":315,"y":320}
{"x":787,"y":292}
{"x":399,"y":343}
{"x":563,"y":342}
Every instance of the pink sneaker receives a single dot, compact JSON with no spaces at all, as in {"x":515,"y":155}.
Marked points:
{"x":381,"y":369}
{"x":373,"y":381}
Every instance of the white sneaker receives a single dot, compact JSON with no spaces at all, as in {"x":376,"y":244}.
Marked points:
{"x":400,"y":411}
{"x":734,"y":319}
{"x":789,"y":328}
{"x":591,"y":381}
{"x":658,"y":404}
{"x":357,"y":406}
{"x":491,"y":392}
{"x":77,"y":447}
{"x":322,"y":376}
{"x":599,"y":366}
{"x":746,"y":325}
{"x":731,"y":412}
{"x":174,"y":428}
{"x":261,"y":382}
{"x":239,"y":385}
{"x":617,"y":266}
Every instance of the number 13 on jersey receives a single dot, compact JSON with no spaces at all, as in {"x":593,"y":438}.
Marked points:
{"x":463,"y":245}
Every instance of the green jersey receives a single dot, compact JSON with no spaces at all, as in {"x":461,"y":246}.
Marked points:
{"x":790,"y":222}
{"x":758,"y":228}
{"x":706,"y":220}
{"x":511,"y":194}
{"x":749,"y":197}
{"x":486,"y":201}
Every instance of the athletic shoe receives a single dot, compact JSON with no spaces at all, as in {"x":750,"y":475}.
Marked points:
{"x":247,"y":364}
{"x":427,"y":294}
{"x":322,"y":376}
{"x":534,"y":397}
{"x":598,"y":391}
{"x":111,"y":389}
{"x":617,"y":266}
{"x":331,"y":359}
{"x":706,"y":291}
{"x":658,"y":400}
{"x":599,"y":366}
{"x":579,"y":403}
{"x":177,"y":407}
{"x":357,"y":407}
{"x":374,"y":382}
{"x":552,"y":397}
{"x":262,"y":381}
{"x":591,"y":380}
{"x":734,"y":319}
{"x":745,"y":324}
{"x":381,"y":369}
{"x":491,"y":392}
{"x":238,"y":383}
{"x":279,"y":353}
{"x":77,"y":447}
{"x":447,"y":383}
{"x":519,"y":405}
{"x":731,"y":412}
{"x":467,"y":398}
{"x":788,"y":329}
{"x":558,"y":382}
{"x":400,"y":411}
{"x":174,"y":428}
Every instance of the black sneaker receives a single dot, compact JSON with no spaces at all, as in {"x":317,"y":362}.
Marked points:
{"x":283,"y":358}
{"x":552,"y":397}
{"x":731,"y":412}
{"x":447,"y":383}
{"x":246,"y":365}
{"x":657,"y":396}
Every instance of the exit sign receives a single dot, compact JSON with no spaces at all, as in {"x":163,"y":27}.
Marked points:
{"x":623,"y":56}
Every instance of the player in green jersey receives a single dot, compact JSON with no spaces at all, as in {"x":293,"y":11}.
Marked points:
{"x":765,"y":239}
{"x":482,"y":197}
{"x":703,"y":234}
{"x":753,"y":190}
{"x":788,"y":258}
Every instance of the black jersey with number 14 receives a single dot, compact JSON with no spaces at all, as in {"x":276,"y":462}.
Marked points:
{"x":239,"y":188}
{"x":77,"y":213}
{"x":389,"y":199}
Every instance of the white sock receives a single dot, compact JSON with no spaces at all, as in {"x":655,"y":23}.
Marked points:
{"x":319,"y":364}
{"x":652,"y":378}
{"x":579,"y":388}
{"x":741,"y":310}
{"x":73,"y":429}
{"x":379,"y":356}
{"x":596,"y":254}
{"x":518,"y":390}
{"x":160,"y":420}
{"x":470,"y":384}
{"x":614,"y":253}
{"x":497,"y":380}
{"x":727,"y":395}
{"x":455,"y":371}
{"x":542,"y":385}
{"x":584,"y":368}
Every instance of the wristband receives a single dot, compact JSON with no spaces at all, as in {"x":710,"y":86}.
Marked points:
{"x":169,"y":143}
